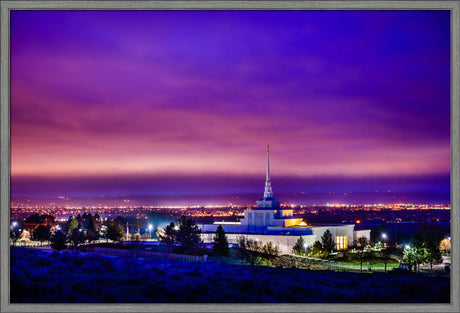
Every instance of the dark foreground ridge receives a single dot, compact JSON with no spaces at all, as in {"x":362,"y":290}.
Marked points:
{"x":66,"y":277}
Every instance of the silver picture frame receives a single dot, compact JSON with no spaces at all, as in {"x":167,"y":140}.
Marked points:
{"x":8,"y":6}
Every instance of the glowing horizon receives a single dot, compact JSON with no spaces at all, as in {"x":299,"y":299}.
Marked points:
{"x":129,"y":94}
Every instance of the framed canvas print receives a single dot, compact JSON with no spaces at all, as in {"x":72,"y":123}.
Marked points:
{"x":229,"y":156}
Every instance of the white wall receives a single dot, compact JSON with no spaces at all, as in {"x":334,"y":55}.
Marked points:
{"x":286,"y":242}
{"x":362,"y":233}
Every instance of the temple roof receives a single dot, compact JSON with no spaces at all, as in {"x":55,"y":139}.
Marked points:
{"x":268,"y":199}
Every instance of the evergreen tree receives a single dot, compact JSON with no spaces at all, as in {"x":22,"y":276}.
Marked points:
{"x":168,"y":236}
{"x":220,"y":242}
{"x":58,"y":241}
{"x":91,"y":231}
{"x":316,"y":248}
{"x":41,"y":233}
{"x":189,"y":234}
{"x":328,"y":243}
{"x":299,"y":246}
{"x":115,"y":231}
{"x":72,"y":224}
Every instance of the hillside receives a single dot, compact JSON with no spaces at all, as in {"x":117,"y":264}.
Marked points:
{"x":43,"y":276}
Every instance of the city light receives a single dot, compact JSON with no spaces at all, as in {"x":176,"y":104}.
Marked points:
{"x":384,"y":236}
{"x":407,"y":247}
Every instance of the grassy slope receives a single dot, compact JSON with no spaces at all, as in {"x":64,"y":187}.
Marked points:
{"x":39,"y":276}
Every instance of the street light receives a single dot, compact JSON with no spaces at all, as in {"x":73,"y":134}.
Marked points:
{"x":150,"y":230}
{"x":384,"y":237}
{"x":15,"y":224}
{"x":407,"y":247}
{"x":305,"y":248}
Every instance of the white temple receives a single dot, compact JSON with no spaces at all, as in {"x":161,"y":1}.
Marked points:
{"x":268,"y":222}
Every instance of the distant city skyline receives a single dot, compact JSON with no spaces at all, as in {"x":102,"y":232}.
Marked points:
{"x":184,"y":102}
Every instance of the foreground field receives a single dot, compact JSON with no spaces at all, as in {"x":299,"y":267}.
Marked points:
{"x":43,"y":276}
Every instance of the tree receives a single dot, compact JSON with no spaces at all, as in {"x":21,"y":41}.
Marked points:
{"x":34,"y":219}
{"x":445,"y":245}
{"x":270,"y":251}
{"x":328,"y":243}
{"x":168,"y":236}
{"x":421,"y":254}
{"x":433,"y":255}
{"x":41,"y":233}
{"x":76,"y":237}
{"x":188,"y":235}
{"x":409,"y":257}
{"x":115,"y":231}
{"x":241,"y":248}
{"x":378,"y":246}
{"x":384,"y":254}
{"x":299,"y":246}
{"x":15,"y":234}
{"x":377,"y":231}
{"x":220,"y":242}
{"x":47,"y":219}
{"x":58,"y":241}
{"x":362,"y":242}
{"x":316,"y":248}
{"x":249,"y":250}
{"x":362,"y":255}
{"x":91,"y":233}
{"x":97,"y":219}
{"x":72,"y":224}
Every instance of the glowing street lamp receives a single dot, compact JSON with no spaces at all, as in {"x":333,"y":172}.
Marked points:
{"x":14,"y":224}
{"x":407,"y":247}
{"x":384,"y":237}
{"x":305,"y":248}
{"x":150,"y":230}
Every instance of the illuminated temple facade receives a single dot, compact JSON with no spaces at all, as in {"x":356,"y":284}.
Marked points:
{"x":268,"y":222}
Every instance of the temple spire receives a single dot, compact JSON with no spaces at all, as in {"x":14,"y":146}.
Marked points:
{"x":268,"y":185}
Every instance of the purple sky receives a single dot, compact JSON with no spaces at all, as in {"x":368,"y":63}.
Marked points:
{"x":174,"y":102}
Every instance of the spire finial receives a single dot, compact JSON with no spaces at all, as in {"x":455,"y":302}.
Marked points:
{"x":268,"y":186}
